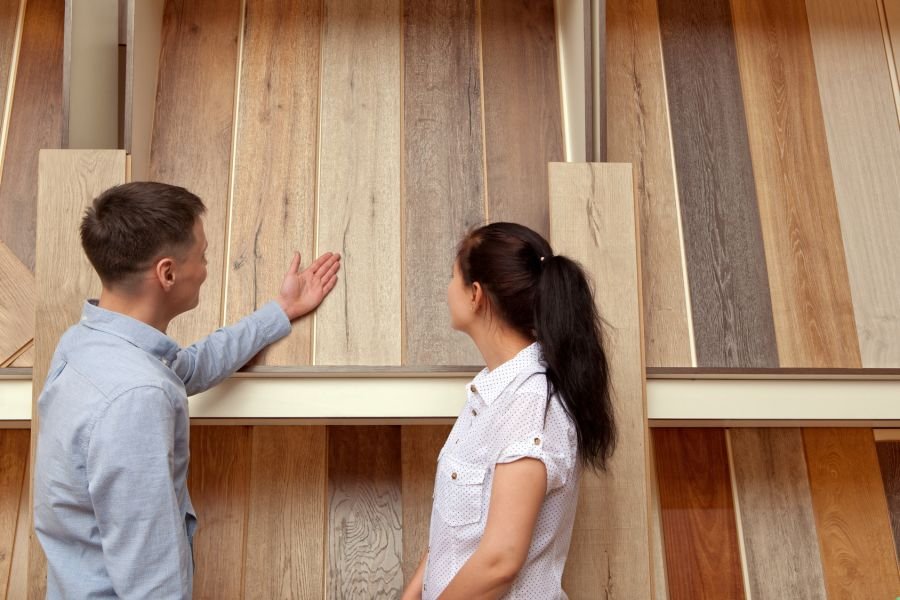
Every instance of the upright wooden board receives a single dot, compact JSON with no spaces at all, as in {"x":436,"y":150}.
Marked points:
{"x":522,"y":108}
{"x":359,"y":182}
{"x":13,"y":460}
{"x":594,"y":221}
{"x":16,"y":304}
{"x":657,"y":543}
{"x":889,"y":461}
{"x":9,"y":24}
{"x":892,"y":39}
{"x":638,"y":132}
{"x":731,"y":307}
{"x":273,"y":205}
{"x":18,"y":572}
{"x":443,"y":170}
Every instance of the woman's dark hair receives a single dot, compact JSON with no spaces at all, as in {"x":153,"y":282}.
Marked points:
{"x":549,"y":298}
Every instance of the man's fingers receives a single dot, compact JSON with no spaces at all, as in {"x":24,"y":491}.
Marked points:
{"x":295,"y":264}
{"x":317,"y":264}
{"x":331,"y":271}
{"x":330,"y":285}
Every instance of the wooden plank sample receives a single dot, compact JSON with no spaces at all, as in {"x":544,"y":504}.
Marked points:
{"x":359,"y":182}
{"x":364,"y":512}
{"x":443,"y":171}
{"x":638,"y":132}
{"x":25,"y":359}
{"x":34,"y":123}
{"x":18,"y":572}
{"x":891,"y":33}
{"x":219,"y":483}
{"x":851,"y":514}
{"x":192,"y":131}
{"x":283,"y":552}
{"x":772,"y":486}
{"x":864,"y":144}
{"x":811,"y":303}
{"x":273,"y":206}
{"x":889,"y":461}
{"x":699,"y":526}
{"x":16,"y":304}
{"x":594,"y":221}
{"x":9,"y":23}
{"x":522,"y":108}
{"x":731,"y":307}
{"x":657,"y":543}
{"x":419,"y":449}
{"x":13,"y":460}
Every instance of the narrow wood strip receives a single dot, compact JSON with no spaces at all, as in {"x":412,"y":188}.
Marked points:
{"x":17,"y":303}
{"x":13,"y":461}
{"x":889,"y":461}
{"x":657,"y":542}
{"x":891,"y":33}
{"x":9,"y":23}
{"x":18,"y":572}
{"x":24,"y":359}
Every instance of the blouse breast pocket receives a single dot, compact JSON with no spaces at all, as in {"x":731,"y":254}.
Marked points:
{"x":459,"y":491}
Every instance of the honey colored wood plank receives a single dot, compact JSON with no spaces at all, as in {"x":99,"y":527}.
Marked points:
{"x":13,"y":460}
{"x":420,"y":445}
{"x":864,"y":144}
{"x":35,"y":122}
{"x":638,"y":132}
{"x":283,"y":555}
{"x":858,"y":554}
{"x":443,"y":170}
{"x":889,"y":461}
{"x":811,"y":304}
{"x":522,"y":108}
{"x":9,"y":23}
{"x":16,"y":304}
{"x":657,"y":544}
{"x":891,"y":33}
{"x":273,"y":207}
{"x":359,"y":182}
{"x":219,"y":483}
{"x":777,"y":523}
{"x":594,"y":221}
{"x":18,"y":572}
{"x":699,"y":527}
{"x":731,"y":307}
{"x":365,"y":545}
{"x":192,"y":131}
{"x":25,"y":358}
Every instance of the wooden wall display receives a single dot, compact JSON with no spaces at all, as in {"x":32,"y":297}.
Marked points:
{"x":657,"y":542}
{"x":18,"y":571}
{"x":889,"y":461}
{"x":13,"y":484}
{"x":892,"y":40}
{"x":25,"y":359}
{"x":17,"y":302}
{"x":9,"y":24}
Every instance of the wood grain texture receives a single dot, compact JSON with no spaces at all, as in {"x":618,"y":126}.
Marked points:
{"x":864,"y":144}
{"x":283,"y":556}
{"x":419,"y":448}
{"x":811,"y":304}
{"x":638,"y":132}
{"x":219,"y":483}
{"x":273,"y":206}
{"x":359,"y":182}
{"x":522,"y":108}
{"x":9,"y":22}
{"x":16,"y":304}
{"x":892,"y":41}
{"x":443,"y":170}
{"x":858,"y":555}
{"x":13,"y":460}
{"x":777,"y":523}
{"x":365,"y":544}
{"x":731,"y":307}
{"x":699,"y":527}
{"x":25,"y":357}
{"x":594,"y":221}
{"x":34,"y":123}
{"x":18,"y":572}
{"x":657,"y":543}
{"x":192,"y":131}
{"x":889,"y":461}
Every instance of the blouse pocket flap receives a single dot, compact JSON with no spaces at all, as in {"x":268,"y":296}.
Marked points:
{"x":461,"y":473}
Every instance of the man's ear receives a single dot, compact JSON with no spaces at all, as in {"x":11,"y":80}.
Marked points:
{"x":165,"y":273}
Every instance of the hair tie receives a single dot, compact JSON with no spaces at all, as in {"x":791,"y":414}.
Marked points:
{"x":542,"y":258}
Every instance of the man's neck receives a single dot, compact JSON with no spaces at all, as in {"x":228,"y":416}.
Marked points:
{"x":138,"y":308}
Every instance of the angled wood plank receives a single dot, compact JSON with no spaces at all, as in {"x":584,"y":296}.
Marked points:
{"x":34,"y":123}
{"x":18,"y":572}
{"x":777,"y":523}
{"x":891,"y":34}
{"x":657,"y":543}
{"x":889,"y":461}
{"x":443,"y":170}
{"x":17,"y":303}
{"x":365,"y":545}
{"x":638,"y":132}
{"x":858,"y":554}
{"x":522,"y":108}
{"x":864,"y":143}
{"x":700,"y":531}
{"x":283,"y":555}
{"x":594,"y":221}
{"x":13,"y":461}
{"x":192,"y":131}
{"x":273,"y":207}
{"x":9,"y":23}
{"x":359,"y":182}
{"x":24,"y":357}
{"x":731,"y":307}
{"x":811,"y":304}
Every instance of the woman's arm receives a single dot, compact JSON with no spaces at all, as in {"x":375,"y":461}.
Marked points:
{"x":516,"y":498}
{"x":413,"y":589}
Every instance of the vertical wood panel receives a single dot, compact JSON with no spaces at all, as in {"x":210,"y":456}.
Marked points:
{"x":813,"y":312}
{"x":273,"y":206}
{"x":657,"y":542}
{"x":13,"y":461}
{"x":851,"y":514}
{"x":732,"y":310}
{"x":702,"y":555}
{"x":864,"y":144}
{"x":889,"y":461}
{"x":16,"y":304}
{"x":9,"y":22}
{"x":18,"y":572}
{"x":443,"y":170}
{"x":892,"y":40}
{"x":594,"y":221}
{"x":192,"y":130}
{"x":522,"y":111}
{"x":638,"y":132}
{"x":779,"y":531}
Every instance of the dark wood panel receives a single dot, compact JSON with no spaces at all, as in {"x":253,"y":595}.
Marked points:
{"x":13,"y":483}
{"x":889,"y":461}
{"x":9,"y":21}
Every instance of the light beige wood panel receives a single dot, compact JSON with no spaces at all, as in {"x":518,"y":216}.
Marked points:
{"x":273,"y":206}
{"x":13,"y":461}
{"x":26,"y":358}
{"x":16,"y":304}
{"x":359,"y":182}
{"x":68,"y":180}
{"x":593,"y":220}
{"x":864,"y":143}
{"x":638,"y":131}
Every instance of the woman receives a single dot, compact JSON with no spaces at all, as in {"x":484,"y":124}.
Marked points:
{"x":507,"y":478}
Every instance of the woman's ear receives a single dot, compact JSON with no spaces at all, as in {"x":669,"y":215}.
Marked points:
{"x":476,"y":296}
{"x":165,"y":273}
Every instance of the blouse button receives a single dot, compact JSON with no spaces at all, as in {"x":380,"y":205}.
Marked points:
{"x":474,"y":413}
{"x":473,"y":389}
{"x":537,"y":441}
{"x":453,"y":475}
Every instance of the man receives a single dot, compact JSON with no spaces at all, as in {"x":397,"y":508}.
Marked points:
{"x":112,"y":510}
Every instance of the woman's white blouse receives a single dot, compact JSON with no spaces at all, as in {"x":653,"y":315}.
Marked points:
{"x":506,"y":418}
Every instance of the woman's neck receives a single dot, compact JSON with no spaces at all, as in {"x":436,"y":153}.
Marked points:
{"x":498,"y":345}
